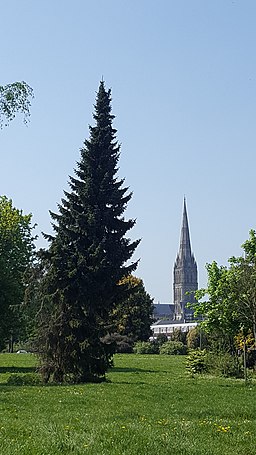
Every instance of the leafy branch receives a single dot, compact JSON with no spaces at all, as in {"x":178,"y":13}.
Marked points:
{"x":15,"y":98}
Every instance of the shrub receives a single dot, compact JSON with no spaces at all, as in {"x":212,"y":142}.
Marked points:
{"x":161,"y":338}
{"x":121,"y":343}
{"x":197,"y":362}
{"x":179,"y":335}
{"x":225,"y":364}
{"x":221,"y":364}
{"x":173,"y":348}
{"x":146,"y":347}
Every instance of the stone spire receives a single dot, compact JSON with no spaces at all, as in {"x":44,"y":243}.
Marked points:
{"x":185,"y":273}
{"x":185,"y":247}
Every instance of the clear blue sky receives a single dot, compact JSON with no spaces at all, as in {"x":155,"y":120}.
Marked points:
{"x":183,"y":79}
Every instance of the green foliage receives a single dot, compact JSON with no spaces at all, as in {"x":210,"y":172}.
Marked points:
{"x":249,"y":247}
{"x":231,"y":296}
{"x":218,"y":364}
{"x":224,"y":364}
{"x":16,"y":254}
{"x":161,"y":338}
{"x":132,"y":315}
{"x":193,"y":338}
{"x":86,"y":260}
{"x":173,"y":348}
{"x":16,"y":237}
{"x":34,"y":276}
{"x":218,"y":311}
{"x":179,"y":335}
{"x":146,"y":347}
{"x":15,"y":98}
{"x":196,"y":338}
{"x":121,"y":343}
{"x":196,"y":362}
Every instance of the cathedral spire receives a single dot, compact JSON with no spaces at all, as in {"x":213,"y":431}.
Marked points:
{"x":185,"y":246}
{"x":185,"y":273}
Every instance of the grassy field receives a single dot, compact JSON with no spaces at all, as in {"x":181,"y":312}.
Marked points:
{"x":149,"y":406}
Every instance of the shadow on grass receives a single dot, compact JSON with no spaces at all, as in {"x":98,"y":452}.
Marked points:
{"x":18,"y":369}
{"x":130,"y":370}
{"x":132,"y":384}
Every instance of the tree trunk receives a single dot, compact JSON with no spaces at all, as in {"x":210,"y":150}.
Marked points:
{"x":244,"y":358}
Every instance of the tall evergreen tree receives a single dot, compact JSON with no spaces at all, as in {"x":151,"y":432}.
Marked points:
{"x":87,"y":258}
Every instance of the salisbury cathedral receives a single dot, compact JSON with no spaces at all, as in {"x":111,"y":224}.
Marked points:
{"x":184,"y":274}
{"x":185,"y":283}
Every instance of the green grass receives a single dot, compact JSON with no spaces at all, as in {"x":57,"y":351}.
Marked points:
{"x":149,"y":406}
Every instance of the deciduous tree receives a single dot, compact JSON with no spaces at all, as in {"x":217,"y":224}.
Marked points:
{"x":133,"y":315}
{"x":16,"y":252}
{"x":15,"y":98}
{"x":230,"y":304}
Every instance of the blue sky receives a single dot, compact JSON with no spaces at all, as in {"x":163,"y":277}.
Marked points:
{"x":183,"y":80}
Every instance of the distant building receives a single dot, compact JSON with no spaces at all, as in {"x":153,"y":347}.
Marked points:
{"x":168,"y":326}
{"x":171,"y":316}
{"x":184,"y":274}
{"x":163,"y":311}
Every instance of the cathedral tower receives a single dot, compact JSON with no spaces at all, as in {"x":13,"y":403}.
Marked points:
{"x":184,"y":273}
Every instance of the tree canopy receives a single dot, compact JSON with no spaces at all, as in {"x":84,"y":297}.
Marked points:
{"x":133,"y":315}
{"x":228,"y":304}
{"x":16,"y":251}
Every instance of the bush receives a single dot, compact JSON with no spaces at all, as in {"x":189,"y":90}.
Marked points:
{"x":225,"y":364}
{"x":161,"y":338}
{"x":146,"y":347}
{"x":197,"y":362}
{"x":179,"y":335}
{"x":121,"y":343}
{"x":173,"y":348}
{"x":221,"y":364}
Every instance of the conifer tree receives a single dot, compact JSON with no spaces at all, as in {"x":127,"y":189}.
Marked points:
{"x":87,"y":257}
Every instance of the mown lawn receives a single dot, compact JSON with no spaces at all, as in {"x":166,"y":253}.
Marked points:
{"x":149,"y":406}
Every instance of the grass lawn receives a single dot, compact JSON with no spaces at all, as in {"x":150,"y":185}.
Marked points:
{"x":149,"y":406}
